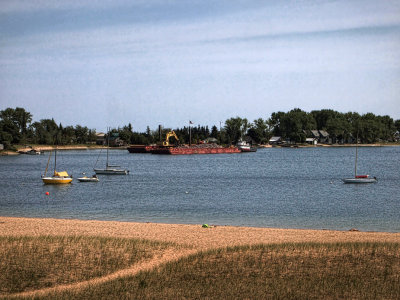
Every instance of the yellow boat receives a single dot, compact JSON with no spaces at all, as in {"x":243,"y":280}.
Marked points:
{"x":58,"y":177}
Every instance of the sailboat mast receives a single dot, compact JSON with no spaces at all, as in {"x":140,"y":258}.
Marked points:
{"x":55,"y":160}
{"x":47,"y":166}
{"x":108,"y":143}
{"x":355,"y":164}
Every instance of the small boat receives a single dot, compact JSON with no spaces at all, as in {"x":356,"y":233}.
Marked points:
{"x":359,"y":178}
{"x":33,"y":152}
{"x":58,"y":177}
{"x":94,"y":178}
{"x":30,"y":152}
{"x":245,"y":147}
{"x":110,"y":169}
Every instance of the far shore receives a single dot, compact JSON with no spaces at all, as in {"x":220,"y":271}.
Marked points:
{"x":191,"y":235}
{"x":21,"y":149}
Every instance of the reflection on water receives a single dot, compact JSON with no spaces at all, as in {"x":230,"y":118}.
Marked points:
{"x":290,"y":188}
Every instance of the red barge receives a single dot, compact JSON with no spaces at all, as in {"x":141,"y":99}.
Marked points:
{"x":198,"y":149}
{"x":166,"y":148}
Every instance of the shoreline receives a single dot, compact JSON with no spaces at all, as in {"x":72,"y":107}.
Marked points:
{"x":190,"y":235}
{"x":89,"y":147}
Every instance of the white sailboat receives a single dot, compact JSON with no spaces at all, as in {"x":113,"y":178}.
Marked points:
{"x":110,"y":169}
{"x":359,"y":178}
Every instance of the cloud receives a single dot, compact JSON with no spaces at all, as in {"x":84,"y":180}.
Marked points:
{"x":213,"y":53}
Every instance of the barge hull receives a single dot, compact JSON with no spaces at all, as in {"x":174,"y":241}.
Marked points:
{"x":140,"y":149}
{"x":186,"y":151}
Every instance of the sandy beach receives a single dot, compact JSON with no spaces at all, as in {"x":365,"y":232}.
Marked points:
{"x":191,"y":235}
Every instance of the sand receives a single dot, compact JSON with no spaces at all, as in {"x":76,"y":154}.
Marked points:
{"x":190,"y":235}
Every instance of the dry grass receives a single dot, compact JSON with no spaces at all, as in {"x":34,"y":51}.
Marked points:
{"x":61,"y":259}
{"x":286,"y":271}
{"x":30,"y":263}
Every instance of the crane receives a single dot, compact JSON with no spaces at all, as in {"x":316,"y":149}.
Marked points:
{"x":170,"y":134}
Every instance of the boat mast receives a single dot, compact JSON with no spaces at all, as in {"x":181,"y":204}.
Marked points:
{"x":55,"y":160}
{"x":47,"y":166}
{"x":355,"y":165}
{"x":108,"y":144}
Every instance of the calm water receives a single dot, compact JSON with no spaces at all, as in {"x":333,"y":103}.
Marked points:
{"x":288,"y":188}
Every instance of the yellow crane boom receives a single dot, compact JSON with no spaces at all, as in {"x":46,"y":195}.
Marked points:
{"x":170,"y":134}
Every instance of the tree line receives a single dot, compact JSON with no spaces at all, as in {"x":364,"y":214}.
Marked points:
{"x":16,"y":127}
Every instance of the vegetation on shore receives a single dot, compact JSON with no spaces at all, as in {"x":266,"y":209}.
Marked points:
{"x":30,"y":263}
{"x":275,"y":271}
{"x":16,"y":127}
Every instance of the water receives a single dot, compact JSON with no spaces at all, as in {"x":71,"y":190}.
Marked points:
{"x":286,"y":188}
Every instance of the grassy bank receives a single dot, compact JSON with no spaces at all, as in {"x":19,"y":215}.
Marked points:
{"x":281,"y":271}
{"x":31,"y":263}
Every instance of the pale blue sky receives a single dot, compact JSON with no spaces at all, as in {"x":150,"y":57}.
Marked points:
{"x":149,"y":62}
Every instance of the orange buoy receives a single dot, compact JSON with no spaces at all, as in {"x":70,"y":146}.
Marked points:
{"x":47,"y":193}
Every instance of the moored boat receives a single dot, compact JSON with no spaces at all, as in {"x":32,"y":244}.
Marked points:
{"x":94,"y":178}
{"x":58,"y":177}
{"x":110,"y":169}
{"x":33,"y":152}
{"x":243,"y":146}
{"x":360,"y":179}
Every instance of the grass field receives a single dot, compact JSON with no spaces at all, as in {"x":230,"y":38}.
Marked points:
{"x":31,"y":263}
{"x":274,"y":271}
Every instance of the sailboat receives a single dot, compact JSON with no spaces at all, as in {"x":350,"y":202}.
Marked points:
{"x":58,"y":177}
{"x":110,"y":169}
{"x":359,"y":178}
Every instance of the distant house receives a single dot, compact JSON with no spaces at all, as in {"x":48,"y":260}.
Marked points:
{"x":249,"y":140}
{"x":397,"y":136}
{"x":101,"y":138}
{"x":318,"y":136}
{"x":1,"y":147}
{"x":312,"y":141}
{"x":324,"y":137}
{"x":315,"y":134}
{"x":210,"y":140}
{"x":275,"y":140}
{"x":115,"y":140}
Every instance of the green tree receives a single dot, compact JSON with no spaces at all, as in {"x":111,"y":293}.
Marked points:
{"x":46,"y":132}
{"x":68,"y":135}
{"x":295,"y":124}
{"x":274,"y":123}
{"x":14,"y":123}
{"x":259,"y":131}
{"x":214,"y":132}
{"x":234,"y":128}
{"x":82,"y":134}
{"x":397,"y":125}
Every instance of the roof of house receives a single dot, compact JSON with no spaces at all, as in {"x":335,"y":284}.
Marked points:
{"x":324,"y":133}
{"x":275,"y":139}
{"x":315,"y":133}
{"x":211,"y":140}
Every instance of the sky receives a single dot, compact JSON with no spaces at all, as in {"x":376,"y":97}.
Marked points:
{"x":107,"y":63}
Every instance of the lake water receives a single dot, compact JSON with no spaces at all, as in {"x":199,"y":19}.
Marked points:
{"x":274,"y":187}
